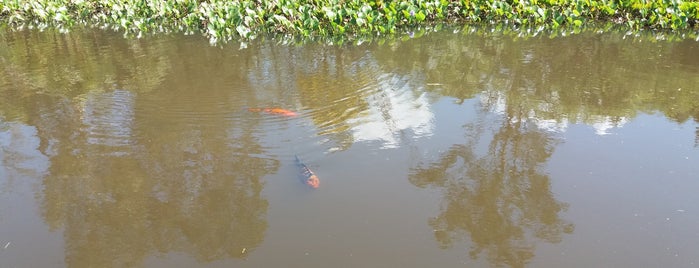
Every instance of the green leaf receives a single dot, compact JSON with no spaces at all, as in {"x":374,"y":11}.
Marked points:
{"x":420,"y":16}
{"x":329,"y":13}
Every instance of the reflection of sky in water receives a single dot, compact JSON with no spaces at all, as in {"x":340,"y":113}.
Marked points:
{"x":19,"y":151}
{"x":107,"y":117}
{"x":601,"y":124}
{"x":393,"y":108}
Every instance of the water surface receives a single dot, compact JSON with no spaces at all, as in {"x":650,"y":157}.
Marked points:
{"x":451,"y":149}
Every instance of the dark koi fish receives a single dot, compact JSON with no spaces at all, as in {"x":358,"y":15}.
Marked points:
{"x":277,"y":111}
{"x":309,"y":178}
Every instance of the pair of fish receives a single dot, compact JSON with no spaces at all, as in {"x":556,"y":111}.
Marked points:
{"x":309,"y":178}
{"x":275,"y":111}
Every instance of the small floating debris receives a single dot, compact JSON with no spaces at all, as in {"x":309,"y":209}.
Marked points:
{"x":6,"y":245}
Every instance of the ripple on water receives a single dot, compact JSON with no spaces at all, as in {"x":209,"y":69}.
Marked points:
{"x":107,"y":119}
{"x":388,"y":110}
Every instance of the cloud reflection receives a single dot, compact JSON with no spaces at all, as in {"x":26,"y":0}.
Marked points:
{"x":548,"y":120}
{"x":19,"y":152}
{"x":393,"y":108}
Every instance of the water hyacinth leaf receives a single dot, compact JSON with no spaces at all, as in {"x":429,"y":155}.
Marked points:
{"x":341,"y":29}
{"x":420,"y":16}
{"x":329,"y":13}
{"x":247,"y":21}
{"x":366,"y":8}
{"x":243,"y":31}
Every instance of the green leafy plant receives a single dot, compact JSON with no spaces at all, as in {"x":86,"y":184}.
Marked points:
{"x":225,"y":20}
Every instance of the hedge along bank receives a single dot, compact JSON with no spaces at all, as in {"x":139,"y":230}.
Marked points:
{"x":225,"y":20}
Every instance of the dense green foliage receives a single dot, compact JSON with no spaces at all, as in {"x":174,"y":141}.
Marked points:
{"x":222,"y":20}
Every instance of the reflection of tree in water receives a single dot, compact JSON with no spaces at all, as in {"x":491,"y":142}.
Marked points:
{"x":501,"y":200}
{"x":213,"y":201}
{"x":335,"y":80}
{"x":174,"y":185}
{"x":179,"y":193}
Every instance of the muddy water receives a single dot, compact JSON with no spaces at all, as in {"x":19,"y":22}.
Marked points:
{"x":447,"y":149}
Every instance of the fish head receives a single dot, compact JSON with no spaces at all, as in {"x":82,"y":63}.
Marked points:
{"x":313,"y":181}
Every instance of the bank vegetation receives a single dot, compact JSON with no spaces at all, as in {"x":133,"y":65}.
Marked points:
{"x":225,"y":20}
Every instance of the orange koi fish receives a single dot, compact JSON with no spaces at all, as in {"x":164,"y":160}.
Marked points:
{"x":277,"y":111}
{"x":309,"y":178}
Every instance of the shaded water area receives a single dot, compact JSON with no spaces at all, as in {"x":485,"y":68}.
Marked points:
{"x":447,"y":150}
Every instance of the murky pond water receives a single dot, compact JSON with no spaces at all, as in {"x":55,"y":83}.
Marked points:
{"x":446,"y":150}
